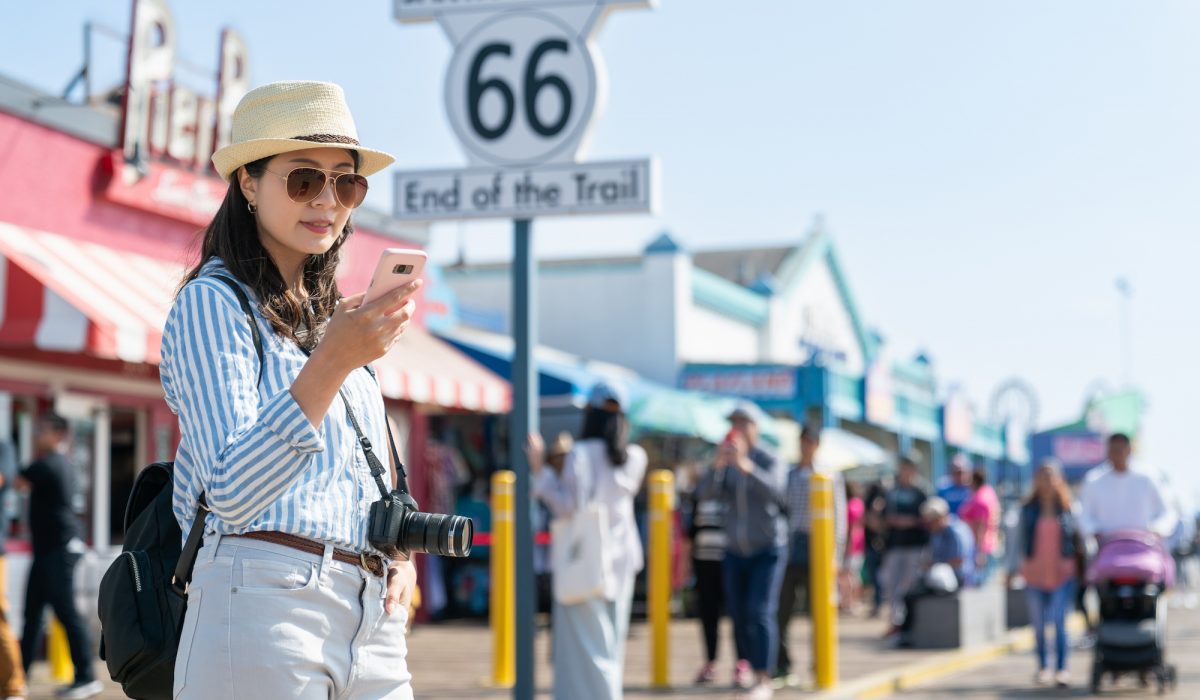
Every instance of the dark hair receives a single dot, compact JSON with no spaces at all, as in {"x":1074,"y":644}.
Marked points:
{"x":1119,"y":437}
{"x":978,"y":478}
{"x":912,"y":458}
{"x":55,"y":422}
{"x":233,"y":237}
{"x":612,"y":428}
{"x":810,"y":432}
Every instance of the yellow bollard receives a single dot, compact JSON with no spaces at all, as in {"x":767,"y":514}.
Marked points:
{"x":501,"y":604}
{"x":662,"y":509}
{"x":823,"y":581}
{"x":58,"y":652}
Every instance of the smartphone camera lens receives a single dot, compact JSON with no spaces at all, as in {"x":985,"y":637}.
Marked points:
{"x":401,"y":269}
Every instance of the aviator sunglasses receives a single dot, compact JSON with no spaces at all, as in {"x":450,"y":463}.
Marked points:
{"x":304,"y":184}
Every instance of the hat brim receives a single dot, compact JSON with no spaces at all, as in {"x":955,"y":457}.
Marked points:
{"x":231,"y":157}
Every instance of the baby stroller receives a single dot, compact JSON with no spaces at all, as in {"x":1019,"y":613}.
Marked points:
{"x":1130,"y":573}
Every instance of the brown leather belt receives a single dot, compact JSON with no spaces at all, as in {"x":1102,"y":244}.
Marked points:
{"x":372,"y":563}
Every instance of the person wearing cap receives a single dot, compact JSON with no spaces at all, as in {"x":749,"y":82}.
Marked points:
{"x":957,"y":487}
{"x":796,"y":575}
{"x":751,"y":482}
{"x":288,"y":597}
{"x":601,"y":468}
{"x":948,"y":566}
{"x":906,"y":536}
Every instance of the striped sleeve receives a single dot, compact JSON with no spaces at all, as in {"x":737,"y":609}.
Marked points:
{"x":245,"y":455}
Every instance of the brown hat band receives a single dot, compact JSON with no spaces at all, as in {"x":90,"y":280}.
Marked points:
{"x":328,"y":138}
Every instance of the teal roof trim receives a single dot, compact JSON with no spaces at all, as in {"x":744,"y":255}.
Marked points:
{"x":723,"y":296}
{"x":819,"y":246}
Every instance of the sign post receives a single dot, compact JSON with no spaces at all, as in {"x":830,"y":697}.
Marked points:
{"x":523,"y":89}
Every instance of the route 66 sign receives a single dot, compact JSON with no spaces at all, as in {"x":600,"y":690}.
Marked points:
{"x":523,"y":89}
{"x":525,"y":82}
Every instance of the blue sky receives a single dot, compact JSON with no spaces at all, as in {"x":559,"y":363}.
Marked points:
{"x":987,"y":170}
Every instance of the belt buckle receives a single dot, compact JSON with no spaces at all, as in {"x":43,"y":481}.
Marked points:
{"x":373,"y":565}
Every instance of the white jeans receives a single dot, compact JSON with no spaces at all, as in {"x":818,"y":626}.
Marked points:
{"x":268,"y":621}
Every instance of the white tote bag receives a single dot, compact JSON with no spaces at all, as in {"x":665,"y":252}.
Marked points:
{"x":579,"y":546}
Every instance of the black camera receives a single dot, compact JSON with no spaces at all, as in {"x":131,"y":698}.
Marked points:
{"x":395,"y":527}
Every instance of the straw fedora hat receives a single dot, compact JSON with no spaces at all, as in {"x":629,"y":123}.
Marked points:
{"x":291,"y":116}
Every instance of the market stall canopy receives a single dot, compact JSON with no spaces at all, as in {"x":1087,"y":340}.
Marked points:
{"x":60,"y":294}
{"x":840,"y":449}
{"x":670,"y":411}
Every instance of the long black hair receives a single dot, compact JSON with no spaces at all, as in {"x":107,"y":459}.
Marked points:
{"x":612,"y":428}
{"x":232,"y":236}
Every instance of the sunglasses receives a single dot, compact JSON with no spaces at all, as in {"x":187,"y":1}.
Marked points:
{"x":305,"y":184}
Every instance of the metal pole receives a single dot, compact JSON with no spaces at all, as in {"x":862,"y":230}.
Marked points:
{"x":501,"y":603}
{"x":823,"y":581}
{"x":662,"y":508}
{"x":524,"y":422}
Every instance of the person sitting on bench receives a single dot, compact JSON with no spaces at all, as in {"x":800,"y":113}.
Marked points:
{"x":949,"y":566}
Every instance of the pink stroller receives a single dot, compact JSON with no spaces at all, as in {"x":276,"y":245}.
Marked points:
{"x":1131,"y":572}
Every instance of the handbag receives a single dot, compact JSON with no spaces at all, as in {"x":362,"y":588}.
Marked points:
{"x":580,"y":551}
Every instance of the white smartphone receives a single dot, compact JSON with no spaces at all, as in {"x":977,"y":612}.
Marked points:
{"x":397,"y":267}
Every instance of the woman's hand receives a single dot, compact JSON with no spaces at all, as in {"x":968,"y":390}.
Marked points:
{"x":401,"y":580}
{"x":358,"y":333}
{"x":535,"y":452}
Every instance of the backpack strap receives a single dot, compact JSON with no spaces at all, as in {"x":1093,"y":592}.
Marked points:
{"x":187,"y":556}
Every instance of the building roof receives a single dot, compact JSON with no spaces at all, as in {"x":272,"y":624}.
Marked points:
{"x":99,"y":123}
{"x":743,"y":266}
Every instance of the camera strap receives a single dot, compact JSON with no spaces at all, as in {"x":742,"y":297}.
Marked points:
{"x":373,"y":463}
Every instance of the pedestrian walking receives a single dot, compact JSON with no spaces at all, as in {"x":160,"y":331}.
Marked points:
{"x":708,"y":542}
{"x":750,"y":482}
{"x":12,"y":671}
{"x":605,"y":470}
{"x":906,"y":538}
{"x":957,"y":487}
{"x":981,"y":513}
{"x":1049,"y":541}
{"x":796,"y":584}
{"x":289,"y":598}
{"x":850,"y":574}
{"x":875,"y":535}
{"x":57,"y":548}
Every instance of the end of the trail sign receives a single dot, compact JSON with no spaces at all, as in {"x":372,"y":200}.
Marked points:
{"x":604,"y":187}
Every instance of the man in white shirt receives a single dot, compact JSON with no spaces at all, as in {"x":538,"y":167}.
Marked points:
{"x":1115,"y":497}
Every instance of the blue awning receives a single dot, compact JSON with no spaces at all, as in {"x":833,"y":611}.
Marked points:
{"x":563,"y":379}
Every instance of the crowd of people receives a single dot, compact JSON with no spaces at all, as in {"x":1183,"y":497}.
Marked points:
{"x":750,"y":546}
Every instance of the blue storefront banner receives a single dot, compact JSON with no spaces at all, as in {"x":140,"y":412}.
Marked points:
{"x":1077,"y":450}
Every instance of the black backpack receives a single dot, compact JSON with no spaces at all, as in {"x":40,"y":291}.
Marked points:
{"x":143,"y":594}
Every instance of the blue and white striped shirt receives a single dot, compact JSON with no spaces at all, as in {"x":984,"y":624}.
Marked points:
{"x":249,"y":446}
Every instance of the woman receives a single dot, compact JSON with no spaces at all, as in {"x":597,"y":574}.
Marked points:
{"x":1048,"y":538}
{"x":850,"y":575}
{"x":981,"y":512}
{"x":603,"y":468}
{"x":707,"y":534}
{"x":288,"y":598}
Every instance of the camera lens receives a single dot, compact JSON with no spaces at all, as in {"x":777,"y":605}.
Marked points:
{"x":437,"y":533}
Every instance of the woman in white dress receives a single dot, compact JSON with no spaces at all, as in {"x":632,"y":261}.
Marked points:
{"x":603,"y":468}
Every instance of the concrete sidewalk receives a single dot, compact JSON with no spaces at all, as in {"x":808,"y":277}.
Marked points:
{"x":453,"y":661}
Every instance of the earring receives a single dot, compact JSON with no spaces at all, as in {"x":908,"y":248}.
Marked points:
{"x":251,"y":206}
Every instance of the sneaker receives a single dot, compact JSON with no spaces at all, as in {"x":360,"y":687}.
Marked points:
{"x":1042,"y":677}
{"x":1062,"y":678}
{"x":785,"y":680}
{"x":707,"y":674}
{"x":743,"y":676}
{"x":761,"y":691}
{"x":79,"y":691}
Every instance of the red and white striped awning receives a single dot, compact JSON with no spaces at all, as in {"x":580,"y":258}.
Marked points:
{"x":64,"y":295}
